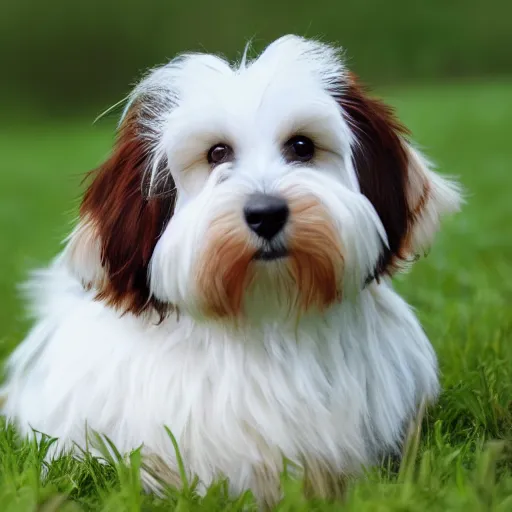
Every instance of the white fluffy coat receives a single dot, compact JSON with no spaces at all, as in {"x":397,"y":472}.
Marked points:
{"x":334,"y":386}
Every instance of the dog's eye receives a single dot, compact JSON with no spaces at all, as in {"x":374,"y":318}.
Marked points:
{"x":219,"y":154}
{"x":299,"y":149}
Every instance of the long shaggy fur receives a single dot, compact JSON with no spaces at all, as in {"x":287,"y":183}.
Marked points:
{"x":158,"y":311}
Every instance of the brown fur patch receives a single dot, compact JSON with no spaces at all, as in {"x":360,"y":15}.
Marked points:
{"x":316,"y":255}
{"x":323,"y":481}
{"x":381,"y":162}
{"x":319,"y":481}
{"x":127,"y":223}
{"x":224,"y":267}
{"x":156,"y":474}
{"x":266,"y":486}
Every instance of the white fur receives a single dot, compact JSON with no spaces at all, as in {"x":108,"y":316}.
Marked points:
{"x":337,"y":386}
{"x":341,"y":389}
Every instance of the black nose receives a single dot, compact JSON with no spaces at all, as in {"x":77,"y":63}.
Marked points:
{"x":266,"y":215}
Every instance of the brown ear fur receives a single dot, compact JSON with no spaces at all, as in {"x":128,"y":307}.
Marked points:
{"x":127,"y":223}
{"x":381,"y":163}
{"x":408,"y":196}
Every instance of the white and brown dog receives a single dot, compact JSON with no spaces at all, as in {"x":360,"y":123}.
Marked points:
{"x":229,"y":278}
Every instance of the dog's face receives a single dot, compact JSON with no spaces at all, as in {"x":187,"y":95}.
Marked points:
{"x":273,"y":187}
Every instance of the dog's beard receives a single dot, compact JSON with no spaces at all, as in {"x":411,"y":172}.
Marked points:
{"x":238,"y":276}
{"x":209,"y":264}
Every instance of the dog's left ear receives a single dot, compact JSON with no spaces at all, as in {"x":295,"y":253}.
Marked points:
{"x":407,"y":194}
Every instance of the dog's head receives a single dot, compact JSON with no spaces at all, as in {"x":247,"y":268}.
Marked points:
{"x":272,"y":186}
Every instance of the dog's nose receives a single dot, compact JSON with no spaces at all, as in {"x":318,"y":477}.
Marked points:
{"x":266,"y":215}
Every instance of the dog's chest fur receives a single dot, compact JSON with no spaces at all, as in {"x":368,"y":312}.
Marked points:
{"x":325,"y":392}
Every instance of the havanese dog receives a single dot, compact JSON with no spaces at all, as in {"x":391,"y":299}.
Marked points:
{"x":229,"y":279}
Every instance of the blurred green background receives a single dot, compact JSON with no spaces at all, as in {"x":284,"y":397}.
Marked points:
{"x":445,"y":64}
{"x":63,"y":56}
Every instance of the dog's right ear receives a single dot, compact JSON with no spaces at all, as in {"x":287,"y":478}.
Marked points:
{"x":120,"y":223}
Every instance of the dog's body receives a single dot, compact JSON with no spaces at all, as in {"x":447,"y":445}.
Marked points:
{"x":337,"y":392}
{"x":250,"y":345}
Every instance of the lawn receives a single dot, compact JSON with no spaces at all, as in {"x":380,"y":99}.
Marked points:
{"x":462,"y":292}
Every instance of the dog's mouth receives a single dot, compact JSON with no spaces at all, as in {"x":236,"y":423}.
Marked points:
{"x":270,"y":254}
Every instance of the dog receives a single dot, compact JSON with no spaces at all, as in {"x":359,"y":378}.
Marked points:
{"x":229,"y":278}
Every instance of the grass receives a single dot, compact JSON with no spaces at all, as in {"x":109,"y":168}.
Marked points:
{"x":462,"y":292}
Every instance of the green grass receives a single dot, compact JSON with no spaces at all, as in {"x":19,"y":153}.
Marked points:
{"x":462,"y":292}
